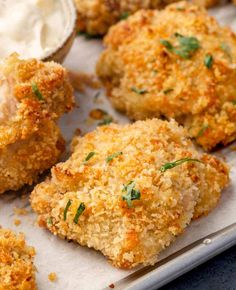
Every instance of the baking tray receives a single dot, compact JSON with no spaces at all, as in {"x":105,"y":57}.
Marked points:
{"x":85,"y":269}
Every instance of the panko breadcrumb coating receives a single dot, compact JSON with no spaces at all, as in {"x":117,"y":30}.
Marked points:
{"x":96,"y":16}
{"x":112,"y":194}
{"x":33,"y":95}
{"x":17,"y":271}
{"x":175,"y":63}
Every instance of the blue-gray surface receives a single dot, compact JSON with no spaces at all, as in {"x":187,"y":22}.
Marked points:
{"x":217,"y":274}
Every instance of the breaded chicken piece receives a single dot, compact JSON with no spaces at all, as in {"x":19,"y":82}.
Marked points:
{"x":33,"y":95}
{"x":17,"y":271}
{"x":96,"y":16}
{"x":175,"y":63}
{"x":123,"y":193}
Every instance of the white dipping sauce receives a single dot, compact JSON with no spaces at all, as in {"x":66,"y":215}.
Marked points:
{"x":33,"y":28}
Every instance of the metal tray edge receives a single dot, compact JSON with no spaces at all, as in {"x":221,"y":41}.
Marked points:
{"x":177,"y":264}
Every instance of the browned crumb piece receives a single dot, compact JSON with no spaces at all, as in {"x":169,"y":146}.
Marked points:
{"x":17,"y":222}
{"x":176,"y":63}
{"x":80,"y":80}
{"x":52,"y":277}
{"x":97,"y":114}
{"x":20,"y":211}
{"x":112,"y":194}
{"x":17,"y":271}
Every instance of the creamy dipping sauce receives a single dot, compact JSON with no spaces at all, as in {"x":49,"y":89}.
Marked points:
{"x":34,"y":28}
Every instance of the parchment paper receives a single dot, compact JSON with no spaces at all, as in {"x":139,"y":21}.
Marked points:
{"x":79,"y":267}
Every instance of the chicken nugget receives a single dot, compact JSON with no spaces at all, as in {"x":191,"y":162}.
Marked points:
{"x":33,"y":95}
{"x":96,"y":16}
{"x":176,"y":63}
{"x":17,"y":271}
{"x":129,"y":190}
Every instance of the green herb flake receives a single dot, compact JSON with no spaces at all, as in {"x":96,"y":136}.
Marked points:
{"x":89,"y":156}
{"x":49,"y":221}
{"x":124,"y":15}
{"x":111,"y":157}
{"x":187,"y":45}
{"x":208,"y":61}
{"x":202,"y":131}
{"x":106,"y":121}
{"x":131,"y":193}
{"x":180,"y":8}
{"x":139,"y":91}
{"x":66,"y":209}
{"x":37,"y":92}
{"x":167,"y":44}
{"x":226,"y":48}
{"x":173,"y":164}
{"x":167,"y":91}
{"x":234,"y":102}
{"x":80,"y":210}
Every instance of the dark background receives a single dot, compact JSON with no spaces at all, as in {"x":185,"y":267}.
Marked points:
{"x":217,"y":274}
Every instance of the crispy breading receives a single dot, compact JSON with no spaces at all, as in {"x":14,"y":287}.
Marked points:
{"x":33,"y":95}
{"x":17,"y":271}
{"x":135,"y":231}
{"x":96,"y":16}
{"x":148,"y":72}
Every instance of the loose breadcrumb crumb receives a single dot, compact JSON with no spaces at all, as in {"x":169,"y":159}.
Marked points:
{"x":52,"y":277}
{"x":80,"y":80}
{"x":20,"y":211}
{"x":17,"y":222}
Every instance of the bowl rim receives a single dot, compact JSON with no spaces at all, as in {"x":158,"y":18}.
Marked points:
{"x":70,"y":31}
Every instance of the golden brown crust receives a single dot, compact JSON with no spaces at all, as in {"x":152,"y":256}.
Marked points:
{"x":17,"y":271}
{"x":200,"y":97}
{"x":96,"y":16}
{"x":22,"y":162}
{"x":129,"y":236}
{"x":33,"y":96}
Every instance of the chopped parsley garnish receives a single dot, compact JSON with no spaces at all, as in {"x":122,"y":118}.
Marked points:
{"x":202,"y":131}
{"x":234,"y":102}
{"x":111,"y":157}
{"x":180,"y":8}
{"x":66,"y":208}
{"x":167,"y":91}
{"x":187,"y":46}
{"x":106,"y":121}
{"x":167,"y":44}
{"x":49,"y":221}
{"x":89,"y":156}
{"x":124,"y":15}
{"x":225,"y":47}
{"x":131,"y":193}
{"x":208,"y":61}
{"x":80,"y":210}
{"x":37,"y":92}
{"x":173,"y":164}
{"x":139,"y":91}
